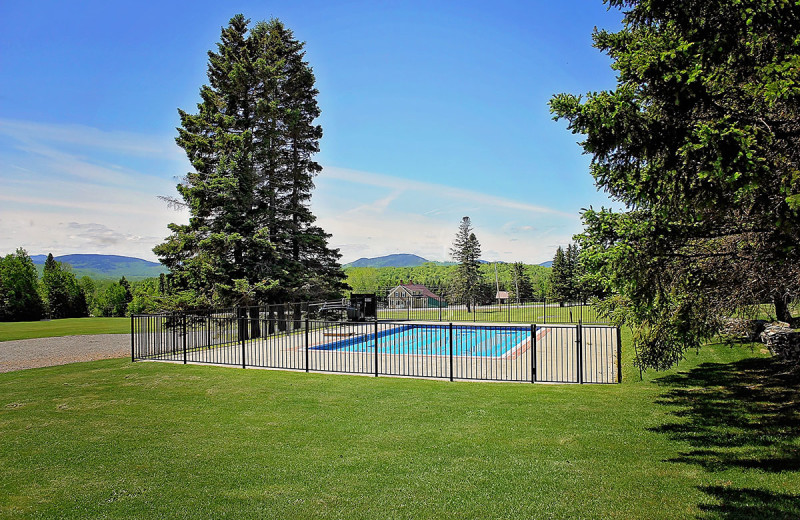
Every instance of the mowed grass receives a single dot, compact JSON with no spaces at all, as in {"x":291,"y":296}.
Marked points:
{"x":717,"y":438}
{"x":10,"y":330}
{"x":528,"y":314}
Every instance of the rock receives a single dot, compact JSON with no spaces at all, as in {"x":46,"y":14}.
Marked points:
{"x":742,"y":328}
{"x":782,"y":341}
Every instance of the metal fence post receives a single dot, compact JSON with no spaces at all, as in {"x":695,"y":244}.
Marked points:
{"x":208,"y":330}
{"x":544,"y":310}
{"x":451,"y":351}
{"x":533,"y":353}
{"x":133,"y":356}
{"x":174,"y":332}
{"x":440,"y":310}
{"x":183,"y":326}
{"x":376,"y":348}
{"x":619,"y":356}
{"x":306,"y":334}
{"x":242,"y":329}
{"x":579,"y":329}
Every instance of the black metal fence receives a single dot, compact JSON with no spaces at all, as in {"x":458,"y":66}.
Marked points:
{"x":526,"y":311}
{"x":558,"y":353}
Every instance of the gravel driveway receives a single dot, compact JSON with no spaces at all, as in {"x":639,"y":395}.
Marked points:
{"x":45,"y":352}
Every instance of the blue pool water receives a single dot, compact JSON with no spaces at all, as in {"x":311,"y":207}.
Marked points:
{"x":435,"y":340}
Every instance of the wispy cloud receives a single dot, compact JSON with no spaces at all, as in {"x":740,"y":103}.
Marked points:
{"x":69,"y":188}
{"x":385,"y":214}
{"x":126,"y":143}
{"x":446,"y":192}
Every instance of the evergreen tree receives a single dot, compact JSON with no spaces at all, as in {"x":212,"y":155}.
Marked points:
{"x":50,"y":263}
{"x":576,"y":273}
{"x":125,"y":284}
{"x":466,"y":251}
{"x":19,"y":288}
{"x":560,"y":276}
{"x":63,"y":295}
{"x":699,"y":143}
{"x":523,"y":289}
{"x":251,"y":236}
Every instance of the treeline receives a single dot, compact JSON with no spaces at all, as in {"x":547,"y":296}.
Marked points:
{"x":58,"y":293}
{"x":24,"y":296}
{"x":566,"y":281}
{"x":523,"y":280}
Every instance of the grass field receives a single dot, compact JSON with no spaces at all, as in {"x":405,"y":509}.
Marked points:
{"x":527,"y":313}
{"x":66,"y":327}
{"x":718,"y":438}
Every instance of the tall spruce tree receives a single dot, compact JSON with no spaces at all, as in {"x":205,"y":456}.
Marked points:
{"x":560,"y":278}
{"x":63,"y":295}
{"x":522,"y":283}
{"x":251,"y":235}
{"x":466,"y":251}
{"x":699,"y":142}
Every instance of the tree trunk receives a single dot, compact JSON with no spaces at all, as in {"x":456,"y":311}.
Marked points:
{"x":271,"y":319}
{"x":281,"y":318}
{"x":255,"y":322}
{"x":298,"y":316}
{"x":782,"y":309}
{"x":241,"y":315}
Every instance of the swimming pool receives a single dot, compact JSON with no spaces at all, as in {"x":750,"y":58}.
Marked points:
{"x":434,"y":340}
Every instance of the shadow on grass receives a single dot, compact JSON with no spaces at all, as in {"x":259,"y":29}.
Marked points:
{"x":743,"y":415}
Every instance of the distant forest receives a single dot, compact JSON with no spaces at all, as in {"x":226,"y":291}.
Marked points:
{"x":533,"y":281}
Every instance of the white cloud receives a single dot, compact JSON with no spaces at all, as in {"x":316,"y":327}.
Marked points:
{"x":385,"y":215}
{"x":72,"y":189}
{"x":446,"y":192}
{"x":126,"y":143}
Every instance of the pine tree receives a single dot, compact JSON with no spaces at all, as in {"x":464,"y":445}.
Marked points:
{"x":522,"y":283}
{"x":251,"y":236}
{"x":698,"y":143}
{"x":560,"y":280}
{"x":466,"y":251}
{"x":62,"y":293}
{"x":125,"y":284}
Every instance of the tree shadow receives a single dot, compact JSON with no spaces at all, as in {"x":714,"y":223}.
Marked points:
{"x":741,"y":415}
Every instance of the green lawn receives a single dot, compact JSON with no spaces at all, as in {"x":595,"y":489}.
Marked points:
{"x":717,"y":439}
{"x":67,"y":327}
{"x":528,"y":313}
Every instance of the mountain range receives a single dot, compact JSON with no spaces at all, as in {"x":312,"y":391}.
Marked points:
{"x":396,"y":260}
{"x":107,"y":266}
{"x":116,"y":266}
{"x":406,"y":260}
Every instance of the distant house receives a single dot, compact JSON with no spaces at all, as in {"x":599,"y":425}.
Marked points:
{"x":502,"y":296}
{"x":411,"y":295}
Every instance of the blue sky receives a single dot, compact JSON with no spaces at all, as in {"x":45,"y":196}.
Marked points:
{"x":431,"y":111}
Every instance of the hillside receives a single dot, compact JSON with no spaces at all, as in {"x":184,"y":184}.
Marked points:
{"x":397,"y":260}
{"x":107,"y":266}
